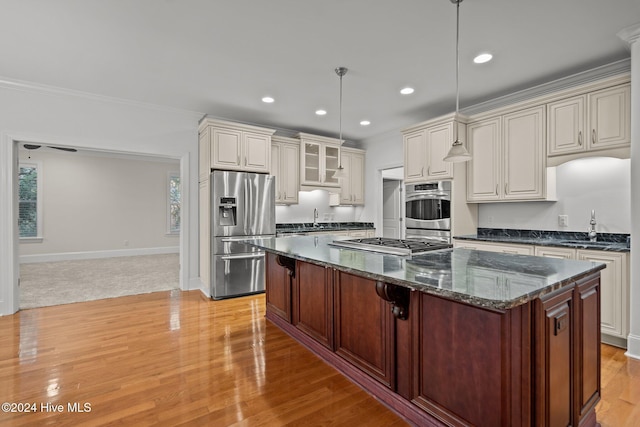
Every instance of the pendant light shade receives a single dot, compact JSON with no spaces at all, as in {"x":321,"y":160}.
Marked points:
{"x":340,"y":172}
{"x":457,"y":153}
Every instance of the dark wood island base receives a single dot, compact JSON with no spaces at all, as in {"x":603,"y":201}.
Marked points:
{"x":440,"y":362}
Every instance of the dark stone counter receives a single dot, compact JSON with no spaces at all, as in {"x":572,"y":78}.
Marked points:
{"x":480,"y":278}
{"x":615,"y":242}
{"x":308,"y":227}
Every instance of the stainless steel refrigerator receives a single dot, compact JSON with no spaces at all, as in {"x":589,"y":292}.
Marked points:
{"x":242,"y":207}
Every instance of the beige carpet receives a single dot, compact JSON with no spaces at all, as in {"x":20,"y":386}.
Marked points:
{"x":63,"y":282}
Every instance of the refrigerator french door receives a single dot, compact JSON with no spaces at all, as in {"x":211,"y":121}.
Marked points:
{"x":242,"y":207}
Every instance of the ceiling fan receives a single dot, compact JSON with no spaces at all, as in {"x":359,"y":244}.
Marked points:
{"x":35,"y":147}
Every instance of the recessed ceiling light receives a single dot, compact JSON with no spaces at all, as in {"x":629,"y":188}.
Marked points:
{"x":268,"y":99}
{"x":365,"y":123}
{"x":482,"y":58}
{"x":321,"y":112}
{"x":407,"y":91}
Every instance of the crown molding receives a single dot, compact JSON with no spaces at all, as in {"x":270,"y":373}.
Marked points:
{"x":38,"y":88}
{"x":579,"y":79}
{"x":630,"y":34}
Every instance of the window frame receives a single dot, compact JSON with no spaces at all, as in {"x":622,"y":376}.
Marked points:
{"x":170,"y":176}
{"x":38,"y":238}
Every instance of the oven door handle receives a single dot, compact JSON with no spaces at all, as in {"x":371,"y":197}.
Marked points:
{"x":242,"y":256}
{"x":431,"y":196}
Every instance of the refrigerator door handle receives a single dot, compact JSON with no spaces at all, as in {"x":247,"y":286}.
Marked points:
{"x":243,"y":256}
{"x":247,"y":206}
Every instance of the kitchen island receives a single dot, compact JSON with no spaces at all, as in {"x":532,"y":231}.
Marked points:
{"x":450,"y":337}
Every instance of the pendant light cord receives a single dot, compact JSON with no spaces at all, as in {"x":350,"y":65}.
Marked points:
{"x":455,"y":121}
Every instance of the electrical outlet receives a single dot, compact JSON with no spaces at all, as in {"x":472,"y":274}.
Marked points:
{"x":563,"y":220}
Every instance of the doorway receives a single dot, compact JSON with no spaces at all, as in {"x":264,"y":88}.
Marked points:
{"x":103,"y":227}
{"x":393,"y":203}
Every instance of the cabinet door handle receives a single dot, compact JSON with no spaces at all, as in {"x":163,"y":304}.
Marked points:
{"x":506,"y":188}
{"x":428,"y":170}
{"x":238,"y":159}
{"x":245,"y":161}
{"x":593,"y":136}
{"x":580,"y":138}
{"x":278,"y":195}
{"x":496,"y":189}
{"x":422,"y":171}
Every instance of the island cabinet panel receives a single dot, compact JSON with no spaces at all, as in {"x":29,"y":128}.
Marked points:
{"x":364,"y":327}
{"x":463,"y":363}
{"x":587,"y":343}
{"x":555,"y":360}
{"x":313,"y":302}
{"x":278,"y":287}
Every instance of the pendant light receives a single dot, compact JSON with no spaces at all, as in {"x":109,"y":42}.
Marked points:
{"x":340,"y":172}
{"x":457,"y":153}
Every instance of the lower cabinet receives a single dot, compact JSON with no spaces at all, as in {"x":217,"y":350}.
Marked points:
{"x":364,"y":327}
{"x":312,"y":305}
{"x":442,"y":362}
{"x":278,"y":285}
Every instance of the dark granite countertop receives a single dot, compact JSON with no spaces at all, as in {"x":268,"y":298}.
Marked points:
{"x":485,"y":279}
{"x":308,"y":227}
{"x":614,"y":242}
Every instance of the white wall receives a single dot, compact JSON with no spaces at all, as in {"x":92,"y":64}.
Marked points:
{"x":602,"y":184}
{"x":384,"y":151}
{"x":307,"y":201}
{"x":58,"y":117}
{"x":98,"y":203}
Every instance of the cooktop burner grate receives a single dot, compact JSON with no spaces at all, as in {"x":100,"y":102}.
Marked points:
{"x":392,"y":246}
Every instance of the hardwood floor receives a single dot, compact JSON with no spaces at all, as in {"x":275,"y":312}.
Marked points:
{"x":175,"y":358}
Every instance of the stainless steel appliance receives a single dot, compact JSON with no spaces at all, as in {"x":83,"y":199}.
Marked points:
{"x":392,"y":246}
{"x":428,"y":211}
{"x":242,"y":207}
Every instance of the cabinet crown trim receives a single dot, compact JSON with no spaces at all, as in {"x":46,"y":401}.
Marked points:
{"x":462,"y":119}
{"x":206,"y":122}
{"x":318,"y":138}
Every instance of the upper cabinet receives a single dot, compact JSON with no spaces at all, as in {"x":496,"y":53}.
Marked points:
{"x":233,"y":146}
{"x":591,"y":122}
{"x":508,"y":157}
{"x":319,"y":159}
{"x":352,"y":187}
{"x":285,"y":166}
{"x":425,"y":146}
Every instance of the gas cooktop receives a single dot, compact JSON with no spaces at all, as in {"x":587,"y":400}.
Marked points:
{"x":392,"y":246}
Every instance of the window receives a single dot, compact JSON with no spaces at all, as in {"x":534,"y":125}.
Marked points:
{"x":173,"y":199}
{"x":29,"y":201}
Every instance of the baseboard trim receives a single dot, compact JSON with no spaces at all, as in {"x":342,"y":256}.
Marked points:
{"x":71,"y":256}
{"x":633,"y":347}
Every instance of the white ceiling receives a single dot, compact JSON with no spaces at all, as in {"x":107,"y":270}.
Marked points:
{"x":220,"y":57}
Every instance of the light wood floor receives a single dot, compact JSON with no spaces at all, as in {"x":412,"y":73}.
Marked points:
{"x":174,"y":358}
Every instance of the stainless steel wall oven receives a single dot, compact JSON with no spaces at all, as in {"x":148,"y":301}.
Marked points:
{"x":428,"y":211}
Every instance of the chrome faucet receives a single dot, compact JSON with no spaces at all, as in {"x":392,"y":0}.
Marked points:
{"x":315,"y":217}
{"x":593,"y":234}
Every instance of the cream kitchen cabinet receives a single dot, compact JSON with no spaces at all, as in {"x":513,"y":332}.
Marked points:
{"x":425,"y":146}
{"x":508,"y":157}
{"x":234,"y":146}
{"x":594,"y":121}
{"x":285,"y":166}
{"x":319,"y":159}
{"x":352,"y":186}
{"x":204,"y":234}
{"x":614,"y":282}
{"x":506,"y":248}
